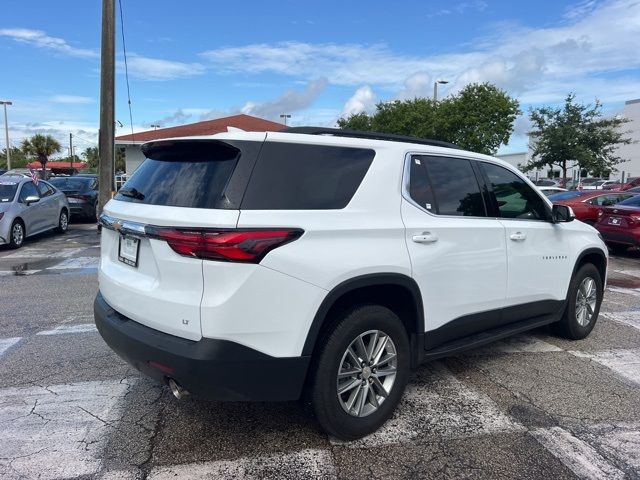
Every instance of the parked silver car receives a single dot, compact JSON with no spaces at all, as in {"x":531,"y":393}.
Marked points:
{"x":28,"y":208}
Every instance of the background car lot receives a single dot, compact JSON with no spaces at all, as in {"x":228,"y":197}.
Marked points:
{"x":533,"y":406}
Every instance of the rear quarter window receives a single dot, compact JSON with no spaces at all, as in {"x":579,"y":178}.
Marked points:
{"x":306,"y":177}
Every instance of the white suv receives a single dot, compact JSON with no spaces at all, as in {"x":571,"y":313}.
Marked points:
{"x":261,"y":266}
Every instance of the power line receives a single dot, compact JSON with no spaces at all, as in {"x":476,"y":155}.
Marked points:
{"x":126,"y":68}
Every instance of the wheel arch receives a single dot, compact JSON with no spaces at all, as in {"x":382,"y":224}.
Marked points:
{"x":400,"y":293}
{"x":594,"y":256}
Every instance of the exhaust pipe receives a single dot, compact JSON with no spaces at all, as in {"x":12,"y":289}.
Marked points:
{"x":178,"y":391}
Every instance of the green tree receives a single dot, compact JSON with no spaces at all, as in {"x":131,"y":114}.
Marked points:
{"x":41,"y":147}
{"x":18,"y":158}
{"x":90,"y":156}
{"x":577,"y":133}
{"x":479,"y":118}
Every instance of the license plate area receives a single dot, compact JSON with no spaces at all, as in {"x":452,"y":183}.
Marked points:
{"x":615,"y":220}
{"x":128,"y":250}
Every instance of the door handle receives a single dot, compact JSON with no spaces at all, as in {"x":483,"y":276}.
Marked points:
{"x":426,"y":237}
{"x":517,"y":237}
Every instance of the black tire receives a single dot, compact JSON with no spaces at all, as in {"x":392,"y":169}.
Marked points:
{"x":63,"y":221}
{"x":16,"y":241}
{"x":569,"y":326}
{"x":323,"y":385}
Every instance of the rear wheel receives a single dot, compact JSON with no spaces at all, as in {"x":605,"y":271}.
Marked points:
{"x":63,"y":221}
{"x":360,"y":373}
{"x":583,"y":304}
{"x":17,"y":234}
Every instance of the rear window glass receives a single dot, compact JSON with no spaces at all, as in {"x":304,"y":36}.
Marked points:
{"x":193,"y":175}
{"x":564,"y":196}
{"x":7,"y":191}
{"x":306,"y":177}
{"x":633,"y":201}
{"x":65,"y":183}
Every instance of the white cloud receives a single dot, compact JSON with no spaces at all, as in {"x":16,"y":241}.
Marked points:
{"x":417,"y":85}
{"x":147,"y":68}
{"x":362,"y":101}
{"x":290,"y":101}
{"x":461,"y":8}
{"x":71,"y":99}
{"x":40,"y":39}
{"x":592,"y":39}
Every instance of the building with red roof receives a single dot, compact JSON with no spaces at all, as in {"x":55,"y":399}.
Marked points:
{"x":131,"y":142}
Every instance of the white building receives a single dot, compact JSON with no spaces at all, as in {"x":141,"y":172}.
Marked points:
{"x":630,"y":168}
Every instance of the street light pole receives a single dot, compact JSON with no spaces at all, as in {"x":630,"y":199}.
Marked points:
{"x":435,"y":88}
{"x":6,"y":132}
{"x":285,"y":116}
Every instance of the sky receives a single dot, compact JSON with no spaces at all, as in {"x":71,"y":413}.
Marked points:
{"x":318,"y":61}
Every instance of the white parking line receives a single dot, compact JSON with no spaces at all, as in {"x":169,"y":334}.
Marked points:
{"x":628,"y":318}
{"x":625,"y":363}
{"x":67,"y":329}
{"x":58,"y":431}
{"x":580,"y":457}
{"x":7,"y":343}
{"x":79,"y":262}
{"x":437,"y":404}
{"x":309,"y":463}
{"x":625,"y":291}
{"x":620,"y":441}
{"x":30,"y":252}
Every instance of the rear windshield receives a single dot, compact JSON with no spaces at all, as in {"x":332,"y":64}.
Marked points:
{"x":633,"y":201}
{"x":564,"y":196}
{"x":305,"y":177}
{"x":193,"y":175}
{"x":7,"y":191}
{"x":65,"y":184}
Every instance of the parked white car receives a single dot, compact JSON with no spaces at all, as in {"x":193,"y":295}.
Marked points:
{"x":28,"y":208}
{"x":551,"y":190}
{"x":264,"y":266}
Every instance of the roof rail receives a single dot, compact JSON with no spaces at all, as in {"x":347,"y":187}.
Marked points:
{"x":339,"y":132}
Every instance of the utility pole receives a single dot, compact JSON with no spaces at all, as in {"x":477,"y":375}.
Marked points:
{"x":71,"y":151}
{"x":6,"y":132}
{"x":435,"y":88}
{"x":285,"y":116}
{"x":106,"y":136}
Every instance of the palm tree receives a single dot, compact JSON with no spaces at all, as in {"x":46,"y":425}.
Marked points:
{"x":41,"y":147}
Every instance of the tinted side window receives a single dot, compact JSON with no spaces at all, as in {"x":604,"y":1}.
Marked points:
{"x":455,"y":187}
{"x":305,"y":177}
{"x":28,"y":189}
{"x":44,"y":189}
{"x":420,"y":189}
{"x":515,"y":198}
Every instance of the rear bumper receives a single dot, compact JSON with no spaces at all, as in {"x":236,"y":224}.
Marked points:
{"x":210,"y":368}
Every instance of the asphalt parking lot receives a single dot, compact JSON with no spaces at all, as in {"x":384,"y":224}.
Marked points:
{"x":534,"y":406}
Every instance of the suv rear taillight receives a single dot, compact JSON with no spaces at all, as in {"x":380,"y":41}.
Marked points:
{"x":228,"y":245}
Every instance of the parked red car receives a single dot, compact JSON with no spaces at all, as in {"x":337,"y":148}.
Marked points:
{"x":619,"y":225}
{"x":587,"y":203}
{"x":631,"y":182}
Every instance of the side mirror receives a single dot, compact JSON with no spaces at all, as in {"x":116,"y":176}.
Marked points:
{"x":562,"y":213}
{"x":31,"y":199}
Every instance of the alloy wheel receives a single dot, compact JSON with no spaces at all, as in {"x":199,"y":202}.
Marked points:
{"x":586,"y":300}
{"x":64,"y":221}
{"x":17,"y":234}
{"x":367,"y":373}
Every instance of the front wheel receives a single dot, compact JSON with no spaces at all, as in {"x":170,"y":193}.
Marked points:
{"x":583,"y":304}
{"x":360,"y":373}
{"x":63,"y":222}
{"x":16,"y":236}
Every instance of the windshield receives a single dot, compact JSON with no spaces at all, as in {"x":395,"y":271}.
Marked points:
{"x":7,"y":191}
{"x":70,"y":183}
{"x":631,"y":202}
{"x":564,"y":196}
